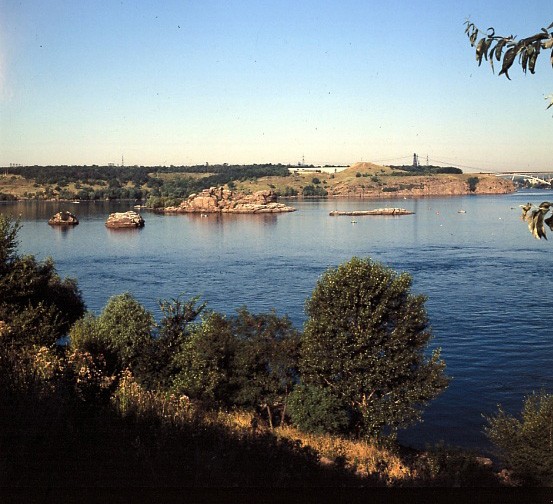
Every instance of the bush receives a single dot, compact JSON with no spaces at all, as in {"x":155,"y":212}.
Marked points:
{"x":35,"y":303}
{"x":317,"y":410}
{"x":472,"y":183}
{"x":526,"y":445}
{"x":314,"y":191}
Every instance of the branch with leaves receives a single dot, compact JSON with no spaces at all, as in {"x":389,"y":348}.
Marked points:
{"x":491,"y":46}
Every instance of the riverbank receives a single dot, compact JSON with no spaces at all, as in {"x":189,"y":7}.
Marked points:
{"x":361,"y":180}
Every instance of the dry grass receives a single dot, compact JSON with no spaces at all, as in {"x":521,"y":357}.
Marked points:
{"x":16,"y":185}
{"x":360,"y":457}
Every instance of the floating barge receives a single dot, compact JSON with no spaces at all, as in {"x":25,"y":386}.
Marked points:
{"x":376,"y":211}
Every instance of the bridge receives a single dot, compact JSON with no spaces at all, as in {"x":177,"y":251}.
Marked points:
{"x":535,"y":178}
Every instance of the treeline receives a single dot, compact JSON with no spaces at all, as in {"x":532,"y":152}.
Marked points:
{"x":116,"y":182}
{"x":425,"y":170}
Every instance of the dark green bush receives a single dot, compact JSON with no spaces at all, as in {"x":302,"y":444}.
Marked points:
{"x":526,"y":445}
{"x":316,"y":410}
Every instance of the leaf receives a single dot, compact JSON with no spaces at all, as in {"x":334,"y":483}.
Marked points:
{"x":480,"y":50}
{"x":499,"y":48}
{"x":534,"y":57}
{"x":473,"y":37}
{"x":550,"y":26}
{"x":524,"y":60}
{"x":508,"y":60}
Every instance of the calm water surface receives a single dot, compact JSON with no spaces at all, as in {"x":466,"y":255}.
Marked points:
{"x":489,"y":283}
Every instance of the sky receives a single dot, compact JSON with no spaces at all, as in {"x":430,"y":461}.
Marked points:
{"x":184,"y":82}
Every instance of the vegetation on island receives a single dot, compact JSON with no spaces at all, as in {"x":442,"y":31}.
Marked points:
{"x":161,"y":186}
{"x":202,"y":399}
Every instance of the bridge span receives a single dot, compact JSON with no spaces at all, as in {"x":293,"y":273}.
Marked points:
{"x":545,"y":178}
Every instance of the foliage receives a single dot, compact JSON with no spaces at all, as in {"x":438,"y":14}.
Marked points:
{"x":121,"y":333}
{"x":311,"y":191}
{"x":526,"y":444}
{"x":405,"y":170}
{"x":139,"y":182}
{"x":472,"y":183}
{"x":318,"y":410}
{"x":36,"y":304}
{"x":265,"y":361}
{"x":365,"y":340}
{"x":289,"y":191}
{"x":246,"y":360}
{"x":206,"y":362}
{"x":527,"y":50}
{"x":158,"y":362}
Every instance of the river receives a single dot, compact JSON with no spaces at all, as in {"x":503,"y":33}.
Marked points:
{"x":489,"y":282}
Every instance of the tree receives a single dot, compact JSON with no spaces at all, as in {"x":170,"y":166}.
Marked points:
{"x":527,"y":49}
{"x":526,"y":445}
{"x":205,"y":362}
{"x":36,"y":304}
{"x":265,"y":364}
{"x":247,"y":360}
{"x":122,"y":333}
{"x":159,"y":361}
{"x":365,"y":342}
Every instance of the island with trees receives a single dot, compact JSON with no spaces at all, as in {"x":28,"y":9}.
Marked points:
{"x":160,"y":186}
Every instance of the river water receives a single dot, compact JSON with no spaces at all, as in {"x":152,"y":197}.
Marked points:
{"x":489,"y":282}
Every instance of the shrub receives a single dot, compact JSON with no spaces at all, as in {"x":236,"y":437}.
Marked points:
{"x":472,"y":183}
{"x":526,"y":445}
{"x":317,"y":410}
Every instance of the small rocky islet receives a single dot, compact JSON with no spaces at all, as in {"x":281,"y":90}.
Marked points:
{"x":125,"y":220}
{"x":63,"y":218}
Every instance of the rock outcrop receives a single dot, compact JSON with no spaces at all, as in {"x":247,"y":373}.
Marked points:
{"x":221,"y":200}
{"x":128,"y":219}
{"x":376,"y":211}
{"x":63,"y":218}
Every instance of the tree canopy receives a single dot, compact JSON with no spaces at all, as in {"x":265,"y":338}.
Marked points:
{"x":506,"y":49}
{"x":365,"y":343}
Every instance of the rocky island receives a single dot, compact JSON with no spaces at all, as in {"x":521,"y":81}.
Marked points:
{"x":63,"y":218}
{"x":221,"y":200}
{"x":376,"y":211}
{"x":125,"y":220}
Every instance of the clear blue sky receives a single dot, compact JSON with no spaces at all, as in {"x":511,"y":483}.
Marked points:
{"x":187,"y":82}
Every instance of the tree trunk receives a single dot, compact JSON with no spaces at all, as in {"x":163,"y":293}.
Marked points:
{"x":270,"y":417}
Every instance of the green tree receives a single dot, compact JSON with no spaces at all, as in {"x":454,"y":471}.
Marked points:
{"x":472,"y":183}
{"x":206,"y":362}
{"x":365,"y":341}
{"x":526,"y":445}
{"x":491,"y":46}
{"x":159,"y":362}
{"x":247,"y":360}
{"x":122,"y":333}
{"x":36,"y":304}
{"x":265,"y":361}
